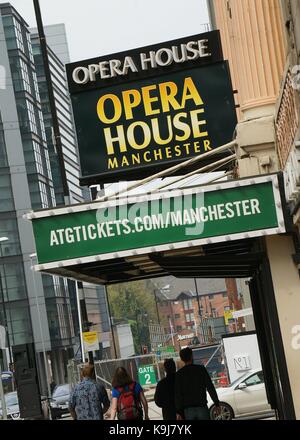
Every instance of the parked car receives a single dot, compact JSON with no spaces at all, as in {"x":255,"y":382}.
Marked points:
{"x":60,"y":401}
{"x":246,"y":396}
{"x":13,"y":409}
{"x":12,"y":406}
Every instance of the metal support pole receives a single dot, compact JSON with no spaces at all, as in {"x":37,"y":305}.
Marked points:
{"x":110,"y":322}
{"x":56,"y":127}
{"x":52,"y":104}
{"x":156,"y":303}
{"x":138,"y":330}
{"x":80,"y":322}
{"x":42,"y":338}
{"x":199,"y":310}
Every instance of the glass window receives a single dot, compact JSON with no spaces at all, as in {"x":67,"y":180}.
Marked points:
{"x":189,"y":317}
{"x":13,"y":278}
{"x":9,"y":229}
{"x":19,"y":322}
{"x":187,"y":304}
{"x":3,"y":155}
{"x":255,"y":379}
{"x":6,"y":196}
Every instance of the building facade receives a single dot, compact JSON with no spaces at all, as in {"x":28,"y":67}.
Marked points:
{"x":39,"y":309}
{"x":261,"y":41}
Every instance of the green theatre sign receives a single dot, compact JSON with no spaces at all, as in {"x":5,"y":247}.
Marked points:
{"x":161,"y":221}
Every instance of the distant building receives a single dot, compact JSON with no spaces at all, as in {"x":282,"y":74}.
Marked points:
{"x":179,"y":310}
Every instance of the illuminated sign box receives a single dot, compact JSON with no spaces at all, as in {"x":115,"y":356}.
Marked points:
{"x":152,"y":223}
{"x":141,"y":111}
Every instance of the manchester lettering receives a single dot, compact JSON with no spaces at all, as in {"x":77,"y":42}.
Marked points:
{"x":161,"y":135}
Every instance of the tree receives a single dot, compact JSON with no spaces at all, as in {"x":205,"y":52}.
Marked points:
{"x":131,"y":301}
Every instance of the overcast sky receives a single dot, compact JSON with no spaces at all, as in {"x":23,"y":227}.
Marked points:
{"x":101,"y":27}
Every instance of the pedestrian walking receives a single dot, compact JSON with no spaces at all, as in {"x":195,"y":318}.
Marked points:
{"x":165,"y":391}
{"x":128,"y":399}
{"x":191,"y":384}
{"x":89,"y":400}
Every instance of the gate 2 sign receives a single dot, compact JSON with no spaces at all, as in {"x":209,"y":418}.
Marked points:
{"x":173,"y":101}
{"x":147,"y":375}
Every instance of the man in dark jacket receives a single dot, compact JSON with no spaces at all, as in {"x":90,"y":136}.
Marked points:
{"x":191,"y":384}
{"x":165,"y":391}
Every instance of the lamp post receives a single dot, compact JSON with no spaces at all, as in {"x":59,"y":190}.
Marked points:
{"x":3,"y":240}
{"x":137,"y":314}
{"x":32,"y":256}
{"x":3,"y":402}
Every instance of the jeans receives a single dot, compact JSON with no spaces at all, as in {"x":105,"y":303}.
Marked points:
{"x":197,"y":413}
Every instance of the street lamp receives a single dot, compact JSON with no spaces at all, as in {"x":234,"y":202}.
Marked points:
{"x":137,"y":314}
{"x":33,"y":256}
{"x":3,"y":402}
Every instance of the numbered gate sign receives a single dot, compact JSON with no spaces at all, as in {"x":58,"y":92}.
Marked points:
{"x":147,"y":375}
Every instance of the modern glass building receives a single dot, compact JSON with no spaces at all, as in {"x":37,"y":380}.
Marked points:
{"x":38,"y":308}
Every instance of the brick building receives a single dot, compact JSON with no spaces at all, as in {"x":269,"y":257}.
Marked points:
{"x":178,"y":304}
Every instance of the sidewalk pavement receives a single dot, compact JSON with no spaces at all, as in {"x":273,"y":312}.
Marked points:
{"x":154,"y":412}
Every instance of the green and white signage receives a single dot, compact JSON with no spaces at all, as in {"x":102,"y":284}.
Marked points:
{"x":147,"y":375}
{"x":162,"y":221}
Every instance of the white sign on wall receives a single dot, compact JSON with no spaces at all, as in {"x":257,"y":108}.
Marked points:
{"x":238,"y":360}
{"x":242,"y":362}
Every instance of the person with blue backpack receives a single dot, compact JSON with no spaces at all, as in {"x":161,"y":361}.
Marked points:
{"x":128,"y":398}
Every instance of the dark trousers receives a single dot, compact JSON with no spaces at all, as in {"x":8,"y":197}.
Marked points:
{"x":196,"y":413}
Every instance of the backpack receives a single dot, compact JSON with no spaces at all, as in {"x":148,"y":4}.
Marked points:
{"x":129,"y":406}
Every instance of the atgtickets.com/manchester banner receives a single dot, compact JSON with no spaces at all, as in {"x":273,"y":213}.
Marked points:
{"x":171,"y":218}
{"x":146,"y":117}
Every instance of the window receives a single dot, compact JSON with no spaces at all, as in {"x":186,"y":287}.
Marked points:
{"x":179,"y":328}
{"x":27,"y":116}
{"x":177,"y":316}
{"x":19,"y":36}
{"x":9,"y":229}
{"x":190,"y":317}
{"x":187,"y":304}
{"x":13,"y":281}
{"x":255,"y":379}
{"x":3,"y":155}
{"x":19,"y":322}
{"x":6,"y":197}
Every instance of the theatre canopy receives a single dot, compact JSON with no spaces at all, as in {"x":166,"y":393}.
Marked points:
{"x":125,"y":232}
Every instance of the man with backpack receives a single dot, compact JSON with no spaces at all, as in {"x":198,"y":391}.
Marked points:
{"x":128,"y":399}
